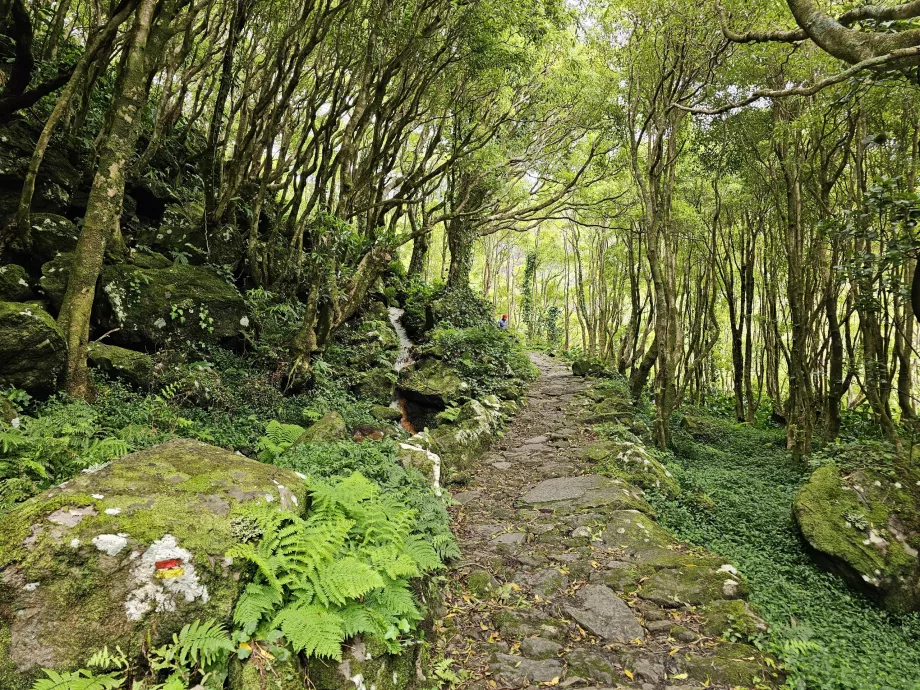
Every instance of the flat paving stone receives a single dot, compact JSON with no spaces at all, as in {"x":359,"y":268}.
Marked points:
{"x":586,"y":491}
{"x":510,"y":538}
{"x":465,"y":497}
{"x":604,"y":614}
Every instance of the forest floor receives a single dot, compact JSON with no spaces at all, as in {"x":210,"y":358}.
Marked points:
{"x":828,"y":636}
{"x":534,"y":601}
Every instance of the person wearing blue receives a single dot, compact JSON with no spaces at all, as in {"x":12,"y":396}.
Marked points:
{"x":503,"y":322}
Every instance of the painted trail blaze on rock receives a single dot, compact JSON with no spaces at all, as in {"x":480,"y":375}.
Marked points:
{"x":136,"y":548}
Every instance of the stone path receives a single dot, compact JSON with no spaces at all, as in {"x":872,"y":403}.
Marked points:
{"x":567,"y":581}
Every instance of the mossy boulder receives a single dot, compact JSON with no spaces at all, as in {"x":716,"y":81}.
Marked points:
{"x":52,"y":235}
{"x":32,"y":349}
{"x":633,"y":463}
{"x":14,"y":284}
{"x":181,"y":233}
{"x":87,"y":564}
{"x":584,"y":366}
{"x":733,"y":615}
{"x":385,"y":413}
{"x":53,"y":282}
{"x":330,"y":427}
{"x":266,"y":673}
{"x":703,"y":429}
{"x":147,"y":258}
{"x":865,"y":526}
{"x":731,"y":665}
{"x":610,"y":408}
{"x":134,"y":367}
{"x":460,"y":444}
{"x":432,"y":382}
{"x":377,"y":385}
{"x":184,"y":302}
{"x":366,"y":665}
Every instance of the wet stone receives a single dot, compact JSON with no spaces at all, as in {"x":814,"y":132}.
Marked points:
{"x":593,"y":665}
{"x":465,"y":497}
{"x":570,"y":494}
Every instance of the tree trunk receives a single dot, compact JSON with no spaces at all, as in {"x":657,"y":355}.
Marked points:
{"x":105,"y":202}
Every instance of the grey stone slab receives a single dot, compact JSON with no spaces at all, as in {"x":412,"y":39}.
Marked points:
{"x":510,"y":538}
{"x":604,"y":614}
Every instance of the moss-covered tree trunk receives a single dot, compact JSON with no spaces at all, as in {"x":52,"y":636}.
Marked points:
{"x":105,"y":200}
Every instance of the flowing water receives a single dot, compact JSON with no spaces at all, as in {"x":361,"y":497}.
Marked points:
{"x":403,"y":359}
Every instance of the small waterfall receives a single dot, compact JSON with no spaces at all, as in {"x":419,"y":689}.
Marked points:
{"x":405,"y":345}
{"x":403,"y":359}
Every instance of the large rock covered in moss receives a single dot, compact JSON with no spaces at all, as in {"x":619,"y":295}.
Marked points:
{"x":134,"y":367}
{"x":14,"y":284}
{"x":865,"y":526}
{"x":365,"y":665}
{"x":583,"y":366}
{"x":52,"y":235}
{"x":32,"y":349}
{"x":184,"y":302}
{"x":330,"y":427}
{"x":461,"y":442}
{"x":134,"y":549}
{"x":628,"y":459}
{"x":53,"y":283}
{"x":432,"y":382}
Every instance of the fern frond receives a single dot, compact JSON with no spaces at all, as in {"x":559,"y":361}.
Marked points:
{"x":345,"y":579}
{"x":81,"y":680}
{"x":423,"y":553}
{"x":313,"y":630}
{"x":358,"y":619}
{"x":396,"y":598}
{"x":104,"y":660}
{"x":203,"y":643}
{"x":255,"y":603}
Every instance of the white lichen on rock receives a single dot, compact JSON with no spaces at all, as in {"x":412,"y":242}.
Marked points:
{"x":111,"y":544}
{"x":162,"y":595}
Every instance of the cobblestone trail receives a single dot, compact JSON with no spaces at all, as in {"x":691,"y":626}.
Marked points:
{"x":567,"y":580}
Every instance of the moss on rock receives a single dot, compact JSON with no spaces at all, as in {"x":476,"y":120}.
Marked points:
{"x":82,"y":557}
{"x":188,"y":302}
{"x":134,"y":367}
{"x":385,"y":413}
{"x":633,"y":463}
{"x":32,"y":349}
{"x":330,"y":427}
{"x":866,"y":527}
{"x":52,"y":235}
{"x":365,"y":665}
{"x":53,"y":282}
{"x":14,"y":284}
{"x":432,"y":382}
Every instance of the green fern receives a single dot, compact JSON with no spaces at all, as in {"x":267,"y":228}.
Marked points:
{"x":278,"y":438}
{"x":341,"y":571}
{"x":104,"y":660}
{"x":81,"y":680}
{"x":313,"y":630}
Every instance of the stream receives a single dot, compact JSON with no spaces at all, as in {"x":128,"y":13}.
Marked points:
{"x":403,"y":359}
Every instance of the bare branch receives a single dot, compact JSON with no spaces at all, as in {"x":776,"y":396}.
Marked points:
{"x":871,"y":63}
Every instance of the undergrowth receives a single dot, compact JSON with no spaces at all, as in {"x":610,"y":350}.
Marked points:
{"x":829,"y":637}
{"x":342,"y":570}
